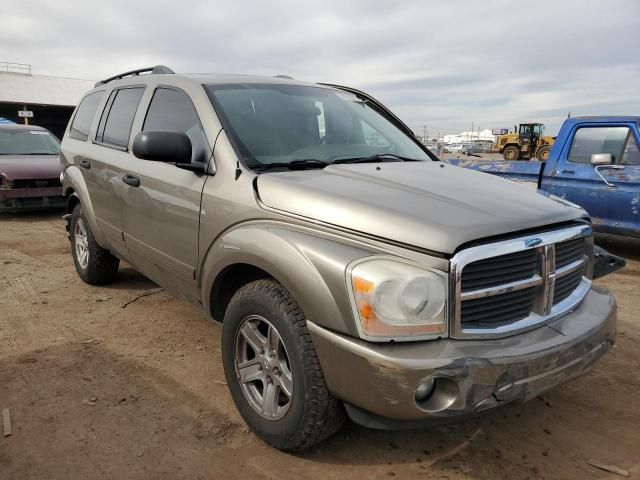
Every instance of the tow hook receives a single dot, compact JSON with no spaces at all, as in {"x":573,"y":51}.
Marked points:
{"x":67,"y":220}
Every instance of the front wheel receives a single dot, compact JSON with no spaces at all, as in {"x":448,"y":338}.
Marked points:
{"x":273,"y":371}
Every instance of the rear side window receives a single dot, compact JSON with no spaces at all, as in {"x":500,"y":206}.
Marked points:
{"x":590,"y":140}
{"x":120,"y":110}
{"x":84,"y":116}
{"x":172,"y":110}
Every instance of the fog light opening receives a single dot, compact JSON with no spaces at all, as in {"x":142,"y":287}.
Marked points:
{"x":425,"y":389}
{"x":436,"y":394}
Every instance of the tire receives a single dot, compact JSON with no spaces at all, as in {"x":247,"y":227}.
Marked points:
{"x":94,"y":264}
{"x":309,"y":414}
{"x":543,"y":153}
{"x":511,"y":153}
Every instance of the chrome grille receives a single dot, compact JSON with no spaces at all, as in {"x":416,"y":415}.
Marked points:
{"x":566,"y":285}
{"x":498,"y":270}
{"x":569,"y":251}
{"x":498,"y":309}
{"x":510,"y":286}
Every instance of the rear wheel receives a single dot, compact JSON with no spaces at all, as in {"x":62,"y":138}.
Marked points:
{"x":273,"y":371}
{"x":543,"y":153}
{"x":94,"y":264}
{"x":511,"y":153}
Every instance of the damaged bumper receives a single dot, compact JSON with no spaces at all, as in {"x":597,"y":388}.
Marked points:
{"x":15,"y":199}
{"x":378,"y":383}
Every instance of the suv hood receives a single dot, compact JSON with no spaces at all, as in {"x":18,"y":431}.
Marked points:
{"x":29,"y":167}
{"x":431,"y":205}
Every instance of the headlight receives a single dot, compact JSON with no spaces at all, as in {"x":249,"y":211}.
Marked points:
{"x":394,"y":300}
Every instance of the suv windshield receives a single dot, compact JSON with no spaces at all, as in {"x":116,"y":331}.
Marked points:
{"x":28,"y":142}
{"x":280,"y":124}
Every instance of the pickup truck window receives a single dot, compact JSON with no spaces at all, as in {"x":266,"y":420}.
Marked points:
{"x":84,"y":116}
{"x":117,"y":127}
{"x":276,"y":123}
{"x":172,"y":110}
{"x":631,"y":155}
{"x":590,"y":140}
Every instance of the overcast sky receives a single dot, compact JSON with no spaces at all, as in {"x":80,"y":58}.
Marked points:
{"x":443,"y":64}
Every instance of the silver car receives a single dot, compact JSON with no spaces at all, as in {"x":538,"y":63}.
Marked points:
{"x":350,"y":276}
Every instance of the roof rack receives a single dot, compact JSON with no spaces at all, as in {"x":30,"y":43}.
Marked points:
{"x":158,"y":69}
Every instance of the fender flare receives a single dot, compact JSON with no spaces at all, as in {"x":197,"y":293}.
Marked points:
{"x":295,"y":258}
{"x":74,"y":184}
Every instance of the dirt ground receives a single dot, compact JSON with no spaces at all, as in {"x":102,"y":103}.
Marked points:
{"x":101,"y":388}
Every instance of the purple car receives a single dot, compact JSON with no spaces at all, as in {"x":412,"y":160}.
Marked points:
{"x":29,"y":169}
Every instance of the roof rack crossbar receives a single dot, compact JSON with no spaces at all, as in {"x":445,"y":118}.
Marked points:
{"x":158,"y":69}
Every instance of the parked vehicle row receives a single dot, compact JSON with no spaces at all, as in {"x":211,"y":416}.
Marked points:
{"x":350,"y":275}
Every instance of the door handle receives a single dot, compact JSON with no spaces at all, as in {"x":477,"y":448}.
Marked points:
{"x":611,"y":167}
{"x":84,"y":163}
{"x":567,"y":171}
{"x":131,"y":180}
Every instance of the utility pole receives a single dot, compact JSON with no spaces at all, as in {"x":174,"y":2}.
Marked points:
{"x":424,"y":134}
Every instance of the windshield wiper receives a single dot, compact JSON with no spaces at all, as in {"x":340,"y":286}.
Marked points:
{"x":299,"y":164}
{"x":378,"y":157}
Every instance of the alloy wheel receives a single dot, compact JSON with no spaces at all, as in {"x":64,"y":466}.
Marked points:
{"x":81,"y":243}
{"x":262,"y":367}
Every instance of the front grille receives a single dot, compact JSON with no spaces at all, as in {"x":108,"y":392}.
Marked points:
{"x":498,"y":309}
{"x":37,"y":183}
{"x":495,"y":271}
{"x":494,"y":292}
{"x":569,"y":251}
{"x":566,"y":285}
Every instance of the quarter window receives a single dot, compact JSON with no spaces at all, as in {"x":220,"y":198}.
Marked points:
{"x":117,"y":127}
{"x":631,"y":155}
{"x":590,"y":140}
{"x":172,"y":110}
{"x":84,"y":116}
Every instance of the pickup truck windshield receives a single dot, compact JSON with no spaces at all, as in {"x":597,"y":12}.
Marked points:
{"x":312,"y":126}
{"x":28,"y":142}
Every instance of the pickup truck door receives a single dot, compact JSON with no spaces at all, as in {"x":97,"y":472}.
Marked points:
{"x":162,"y":207}
{"x":610,"y":193}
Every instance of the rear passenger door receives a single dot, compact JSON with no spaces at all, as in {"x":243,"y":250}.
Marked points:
{"x":162,"y":213}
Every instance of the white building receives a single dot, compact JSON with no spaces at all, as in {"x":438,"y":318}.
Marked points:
{"x":470,"y":137}
{"x":51,"y":99}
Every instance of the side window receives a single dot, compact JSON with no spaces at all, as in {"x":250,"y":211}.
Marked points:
{"x":590,"y":140}
{"x":631,"y":154}
{"x":84,"y":116}
{"x":172,"y":110}
{"x":120,"y":110}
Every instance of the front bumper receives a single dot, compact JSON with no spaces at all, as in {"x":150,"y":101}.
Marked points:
{"x":15,"y":199}
{"x":378,"y":382}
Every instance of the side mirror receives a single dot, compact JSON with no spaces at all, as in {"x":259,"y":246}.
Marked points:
{"x":162,"y":146}
{"x":601,"y":159}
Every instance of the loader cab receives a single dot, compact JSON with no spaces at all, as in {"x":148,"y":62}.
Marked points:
{"x":530,"y":130}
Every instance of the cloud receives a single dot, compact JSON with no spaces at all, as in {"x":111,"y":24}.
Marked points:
{"x":440,"y":63}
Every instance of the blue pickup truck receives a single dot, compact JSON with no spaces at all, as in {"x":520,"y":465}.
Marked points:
{"x":594,"y":162}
